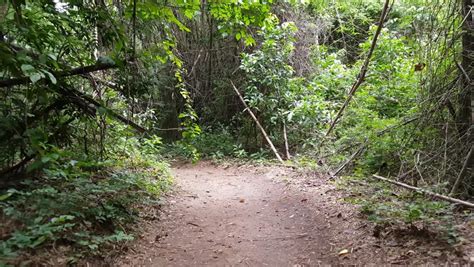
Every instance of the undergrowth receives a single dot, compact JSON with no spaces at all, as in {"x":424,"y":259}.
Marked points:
{"x":75,"y":208}
{"x":218,"y":144}
{"x":394,"y":208}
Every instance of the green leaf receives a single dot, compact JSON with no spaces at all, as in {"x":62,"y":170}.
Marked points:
{"x":102,"y":111}
{"x":5,"y":196}
{"x":105,"y":60}
{"x":189,"y":13}
{"x":45,"y":159}
{"x":38,"y":242}
{"x":249,"y":40}
{"x":27,"y":68}
{"x":34,"y":166}
{"x":36,"y":77}
{"x":51,"y":77}
{"x":53,"y":56}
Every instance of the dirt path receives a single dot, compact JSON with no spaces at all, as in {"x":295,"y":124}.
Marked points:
{"x":233,"y":217}
{"x":241,"y":216}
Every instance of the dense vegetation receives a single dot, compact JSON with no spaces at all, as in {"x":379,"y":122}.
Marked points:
{"x":97,"y":96}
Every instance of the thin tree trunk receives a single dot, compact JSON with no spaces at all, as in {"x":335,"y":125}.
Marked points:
{"x":466,"y":95}
{"x":209,"y":67}
{"x":285,"y":137}
{"x":466,"y":169}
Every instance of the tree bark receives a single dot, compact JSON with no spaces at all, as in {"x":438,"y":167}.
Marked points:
{"x":466,"y":95}
{"x":466,"y":169}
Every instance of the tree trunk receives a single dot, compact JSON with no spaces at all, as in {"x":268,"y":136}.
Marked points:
{"x":466,"y":95}
{"x":285,"y":137}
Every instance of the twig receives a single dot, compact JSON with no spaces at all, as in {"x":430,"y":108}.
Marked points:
{"x":403,"y":123}
{"x":354,"y":156}
{"x":463,"y":71}
{"x":425,"y":192}
{"x":417,"y":161}
{"x":258,"y":124}
{"x":366,"y":143}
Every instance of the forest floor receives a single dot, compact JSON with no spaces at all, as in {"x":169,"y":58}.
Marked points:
{"x":270,"y":216}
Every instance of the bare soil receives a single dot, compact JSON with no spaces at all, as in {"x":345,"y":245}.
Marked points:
{"x":270,"y":216}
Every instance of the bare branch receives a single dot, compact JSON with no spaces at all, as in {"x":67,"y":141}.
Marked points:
{"x":60,"y":74}
{"x":426,"y":192}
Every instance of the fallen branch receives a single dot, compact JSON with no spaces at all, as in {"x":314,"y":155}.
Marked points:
{"x":366,"y":144}
{"x":354,"y":156}
{"x":13,"y":169}
{"x":425,"y":192}
{"x":364,"y":68}
{"x":258,"y":124}
{"x":177,"y":129}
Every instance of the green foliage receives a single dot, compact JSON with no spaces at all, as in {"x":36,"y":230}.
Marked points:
{"x":90,"y":147}
{"x":79,"y":201}
{"x":349,"y":23}
{"x":272,"y":90}
{"x":269,"y":73}
{"x":216,"y":143}
{"x":378,"y":104}
{"x":86,"y":204}
{"x":235,"y":17}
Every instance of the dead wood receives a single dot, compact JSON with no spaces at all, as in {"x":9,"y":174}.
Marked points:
{"x":354,"y":156}
{"x":426,"y":192}
{"x":258,"y":124}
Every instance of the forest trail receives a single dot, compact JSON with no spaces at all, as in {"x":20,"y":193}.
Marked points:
{"x":260,"y":216}
{"x":232,"y":217}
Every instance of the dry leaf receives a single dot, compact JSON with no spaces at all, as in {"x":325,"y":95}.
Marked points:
{"x":343,"y":252}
